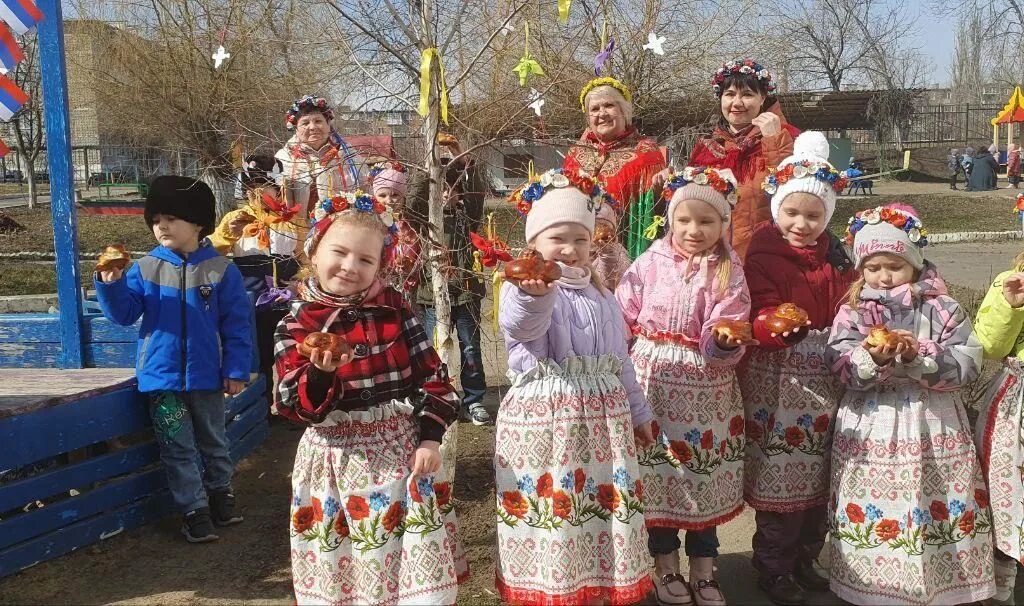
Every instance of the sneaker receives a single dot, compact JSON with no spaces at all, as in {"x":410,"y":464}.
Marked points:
{"x":222,"y":507}
{"x":808,"y":577}
{"x":478,"y":415}
{"x":782,"y":590}
{"x":198,"y":527}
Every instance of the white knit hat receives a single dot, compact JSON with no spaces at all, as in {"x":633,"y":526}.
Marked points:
{"x":810,"y":157}
{"x":893,"y":229}
{"x":561,"y":205}
{"x":694,"y":184}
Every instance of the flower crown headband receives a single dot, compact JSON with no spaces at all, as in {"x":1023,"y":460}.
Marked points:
{"x":326,"y":210}
{"x":701,"y":175}
{"x":745,"y":66}
{"x":307,"y":103}
{"x":380,"y":167}
{"x":604,"y":81}
{"x":801,"y":169}
{"x":899,"y":219}
{"x":536,"y":186}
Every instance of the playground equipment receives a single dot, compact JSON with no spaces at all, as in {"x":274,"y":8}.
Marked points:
{"x":1012,"y":113}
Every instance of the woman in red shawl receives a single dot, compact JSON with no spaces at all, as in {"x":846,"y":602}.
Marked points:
{"x":751,"y":138}
{"x":613,"y":152}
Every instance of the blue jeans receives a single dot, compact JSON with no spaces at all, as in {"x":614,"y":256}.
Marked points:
{"x":699,"y":543}
{"x":187,"y":424}
{"x":466,"y":319}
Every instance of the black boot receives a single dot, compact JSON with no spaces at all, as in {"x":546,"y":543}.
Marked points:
{"x":782,"y":590}
{"x":808,"y":577}
{"x":222,"y":506}
{"x":198,"y":527}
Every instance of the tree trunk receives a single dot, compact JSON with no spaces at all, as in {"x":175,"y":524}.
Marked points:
{"x":30,"y":178}
{"x":223,"y":191}
{"x":435,"y":214}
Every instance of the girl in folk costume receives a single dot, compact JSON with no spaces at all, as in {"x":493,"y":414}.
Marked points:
{"x":687,"y":301}
{"x":909,"y":519}
{"x":372,"y":521}
{"x":613,"y":151}
{"x":608,"y":256}
{"x":569,"y":499}
{"x":317,"y":163}
{"x":751,"y":137}
{"x":389,"y":182}
{"x":999,"y":433}
{"x":798,"y":275}
{"x":265,"y":238}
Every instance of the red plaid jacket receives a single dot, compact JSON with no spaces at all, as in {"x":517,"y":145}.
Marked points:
{"x":392,"y":359}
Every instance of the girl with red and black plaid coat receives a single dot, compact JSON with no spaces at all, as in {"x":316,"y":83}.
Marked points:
{"x":370,"y":490}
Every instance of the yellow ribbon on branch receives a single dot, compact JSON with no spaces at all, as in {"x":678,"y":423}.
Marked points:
{"x":426,"y":58}
{"x":652,"y":230}
{"x":563,"y":10}
{"x":527,"y":66}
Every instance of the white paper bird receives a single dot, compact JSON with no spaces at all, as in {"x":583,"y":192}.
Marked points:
{"x":220,"y":56}
{"x":654,"y":43}
{"x":538,"y":101}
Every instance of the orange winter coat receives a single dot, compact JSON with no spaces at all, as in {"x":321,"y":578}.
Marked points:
{"x":750,"y":157}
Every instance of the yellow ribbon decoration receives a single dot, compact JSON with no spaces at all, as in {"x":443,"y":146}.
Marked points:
{"x":563,"y":10}
{"x":496,"y":280}
{"x":529,"y":172}
{"x":652,"y":230}
{"x":527,"y":66}
{"x":477,"y":266}
{"x":489,"y":230}
{"x":426,"y":58}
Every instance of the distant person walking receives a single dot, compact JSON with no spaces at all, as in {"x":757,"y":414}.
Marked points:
{"x":955,"y":168}
{"x":1013,"y":164}
{"x":983,"y":171}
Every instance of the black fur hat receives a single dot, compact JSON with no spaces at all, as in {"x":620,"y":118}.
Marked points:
{"x":184,"y":198}
{"x":260,"y":171}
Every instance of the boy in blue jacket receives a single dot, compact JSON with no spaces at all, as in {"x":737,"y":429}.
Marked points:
{"x":194,"y":346}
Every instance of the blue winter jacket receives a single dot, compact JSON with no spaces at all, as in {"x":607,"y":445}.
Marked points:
{"x":196,"y":326}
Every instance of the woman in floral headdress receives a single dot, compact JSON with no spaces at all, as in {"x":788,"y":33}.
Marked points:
{"x":612,"y":151}
{"x":751,"y":138}
{"x":317,"y":163}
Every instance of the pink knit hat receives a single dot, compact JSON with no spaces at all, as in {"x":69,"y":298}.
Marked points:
{"x":391,"y":175}
{"x":716,"y":186}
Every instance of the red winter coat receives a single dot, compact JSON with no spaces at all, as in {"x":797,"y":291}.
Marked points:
{"x":749,"y":159}
{"x":778,"y":273}
{"x":392,"y":359}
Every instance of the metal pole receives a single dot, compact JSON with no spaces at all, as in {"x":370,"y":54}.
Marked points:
{"x":62,"y":194}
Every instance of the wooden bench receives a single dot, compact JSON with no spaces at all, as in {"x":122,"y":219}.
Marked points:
{"x":91,"y":430}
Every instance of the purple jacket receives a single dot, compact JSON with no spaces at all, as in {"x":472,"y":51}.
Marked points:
{"x":566,"y":323}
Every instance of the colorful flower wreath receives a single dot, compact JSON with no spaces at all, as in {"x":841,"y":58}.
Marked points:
{"x":307,"y":103}
{"x":531,"y":191}
{"x":360,"y":201}
{"x":700,"y":175}
{"x":893,"y":216}
{"x":821,"y":171}
{"x":604,"y":81}
{"x":745,"y":66}
{"x":380,"y":167}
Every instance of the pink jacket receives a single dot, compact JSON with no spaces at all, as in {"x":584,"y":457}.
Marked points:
{"x":657,"y":295}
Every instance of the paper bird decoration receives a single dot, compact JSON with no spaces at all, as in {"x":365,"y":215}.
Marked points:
{"x":537,"y":102}
{"x":527,"y":65}
{"x":654,"y":43}
{"x":220,"y":56}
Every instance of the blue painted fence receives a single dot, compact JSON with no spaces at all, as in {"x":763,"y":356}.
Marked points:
{"x":114,"y":468}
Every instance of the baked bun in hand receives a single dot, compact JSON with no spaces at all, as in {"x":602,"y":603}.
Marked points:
{"x":880,"y":336}
{"x":532,"y":266}
{"x":113,"y":257}
{"x":325,"y":341}
{"x":735,"y":329}
{"x":787,"y":318}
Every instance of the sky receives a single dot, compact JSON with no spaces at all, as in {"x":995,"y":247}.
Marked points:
{"x":935,"y":36}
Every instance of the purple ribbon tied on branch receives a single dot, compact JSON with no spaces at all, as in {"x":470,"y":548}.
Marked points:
{"x":603,"y":56}
{"x":273,"y":294}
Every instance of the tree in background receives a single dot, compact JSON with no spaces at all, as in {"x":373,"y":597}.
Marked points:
{"x":27,"y":124}
{"x":161,"y":83}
